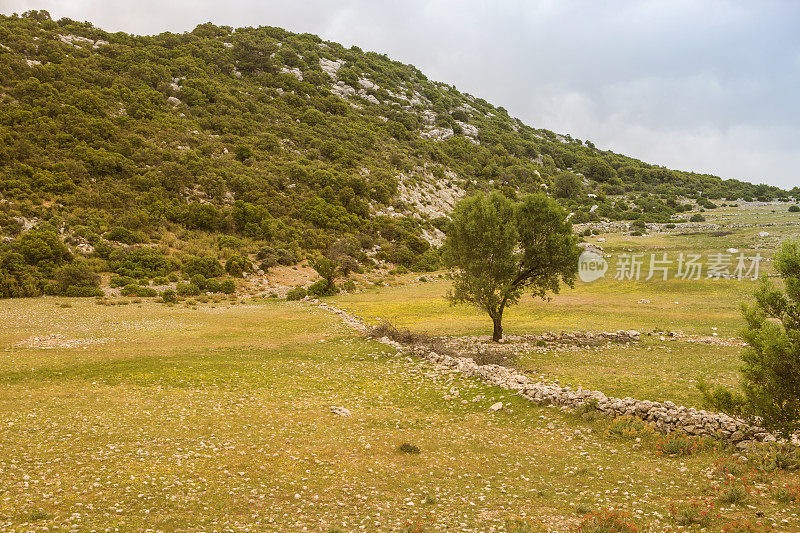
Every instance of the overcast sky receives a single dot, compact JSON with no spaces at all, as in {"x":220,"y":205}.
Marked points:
{"x":710,"y":86}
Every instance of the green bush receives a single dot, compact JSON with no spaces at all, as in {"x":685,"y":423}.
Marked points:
{"x":323,"y":287}
{"x":138,"y":290}
{"x":237,"y":265}
{"x":18,"y":279}
{"x":169,"y":296}
{"x":298,"y":293}
{"x":76,"y":279}
{"x":121,"y":281}
{"x":213,"y":285}
{"x":123,"y":235}
{"x":227,"y":286}
{"x":200,"y":281}
{"x":794,"y":208}
{"x":697,"y":217}
{"x":141,"y":262}
{"x":187,"y":289}
{"x":206,"y":266}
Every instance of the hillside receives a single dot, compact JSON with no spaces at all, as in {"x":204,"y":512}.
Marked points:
{"x":257,"y":144}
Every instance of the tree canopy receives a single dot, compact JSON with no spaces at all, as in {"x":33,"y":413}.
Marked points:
{"x":499,"y":248}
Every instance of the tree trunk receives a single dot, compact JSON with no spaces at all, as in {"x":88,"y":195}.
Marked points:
{"x":498,"y":328}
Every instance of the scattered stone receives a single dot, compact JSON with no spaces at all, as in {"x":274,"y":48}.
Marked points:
{"x":341,"y":411}
{"x":496,"y":406}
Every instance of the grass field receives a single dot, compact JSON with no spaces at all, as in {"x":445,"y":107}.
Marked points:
{"x":216,"y":417}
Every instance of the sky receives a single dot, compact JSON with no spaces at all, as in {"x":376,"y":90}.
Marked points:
{"x":711,"y":86}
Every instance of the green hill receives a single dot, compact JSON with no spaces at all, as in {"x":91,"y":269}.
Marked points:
{"x":261,"y":144}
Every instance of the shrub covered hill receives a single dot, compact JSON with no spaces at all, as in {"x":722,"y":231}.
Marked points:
{"x":151,"y":155}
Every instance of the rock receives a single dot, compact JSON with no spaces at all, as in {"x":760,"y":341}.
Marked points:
{"x":763,"y":234}
{"x":173,"y":101}
{"x":341,"y":411}
{"x":496,"y":406}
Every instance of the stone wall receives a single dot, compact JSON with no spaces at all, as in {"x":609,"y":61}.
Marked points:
{"x":665,"y":417}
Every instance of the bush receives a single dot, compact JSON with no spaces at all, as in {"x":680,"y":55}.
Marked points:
{"x":141,"y":262}
{"x":169,"y":296}
{"x":123,"y":235}
{"x":76,"y":279}
{"x":200,"y":281}
{"x":228,"y":241}
{"x":692,"y":513}
{"x":208,"y":267}
{"x":349,"y":285}
{"x":121,"y":281}
{"x":298,"y":293}
{"x":237,"y":265}
{"x":675,"y":445}
{"x":697,"y":217}
{"x":227,"y":286}
{"x":18,"y":279}
{"x":213,"y":285}
{"x":323,"y":287}
{"x":608,"y":521}
{"x":187,"y":289}
{"x":138,"y":290}
{"x":794,"y":208}
{"x":408,"y":448}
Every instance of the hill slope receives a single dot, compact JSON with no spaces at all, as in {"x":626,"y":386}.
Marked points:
{"x":264,"y":137}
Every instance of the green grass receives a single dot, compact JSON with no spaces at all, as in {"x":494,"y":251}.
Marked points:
{"x":223,"y":420}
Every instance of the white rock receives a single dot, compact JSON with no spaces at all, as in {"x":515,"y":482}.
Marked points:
{"x":496,"y":406}
{"x":341,"y":411}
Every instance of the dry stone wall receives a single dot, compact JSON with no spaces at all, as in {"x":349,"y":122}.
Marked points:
{"x":665,"y":417}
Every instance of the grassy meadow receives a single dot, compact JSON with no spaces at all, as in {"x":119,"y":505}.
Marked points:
{"x":216,"y":416}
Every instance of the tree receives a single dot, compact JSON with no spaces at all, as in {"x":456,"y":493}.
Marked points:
{"x":499,"y":249}
{"x":770,"y":386}
{"x":328,"y":271}
{"x":567,"y":185}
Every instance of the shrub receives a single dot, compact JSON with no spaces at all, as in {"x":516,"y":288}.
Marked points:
{"x":237,"y":265}
{"x":692,"y":513}
{"x":172,"y":277}
{"x":794,"y":208}
{"x":141,"y":262}
{"x":227,"y":286}
{"x":208,"y":267}
{"x":733,"y":492}
{"x":76,"y":279}
{"x":697,"y":217}
{"x":677,"y":445}
{"x":228,"y":241}
{"x":169,"y":296}
{"x":349,"y":285}
{"x":608,"y":521}
{"x":323,"y":288}
{"x":138,"y":290}
{"x":121,"y":281}
{"x":187,"y":289}
{"x":123,"y":235}
{"x":18,"y":279}
{"x":200,"y":281}
{"x":298,"y":293}
{"x":408,"y":448}
{"x":213,"y":285}
{"x":628,"y":427}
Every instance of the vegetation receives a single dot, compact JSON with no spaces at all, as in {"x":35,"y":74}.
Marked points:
{"x":500,"y":248}
{"x":217,"y":142}
{"x":771,"y":362}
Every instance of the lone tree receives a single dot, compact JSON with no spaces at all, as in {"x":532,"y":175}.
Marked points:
{"x":498,"y":248}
